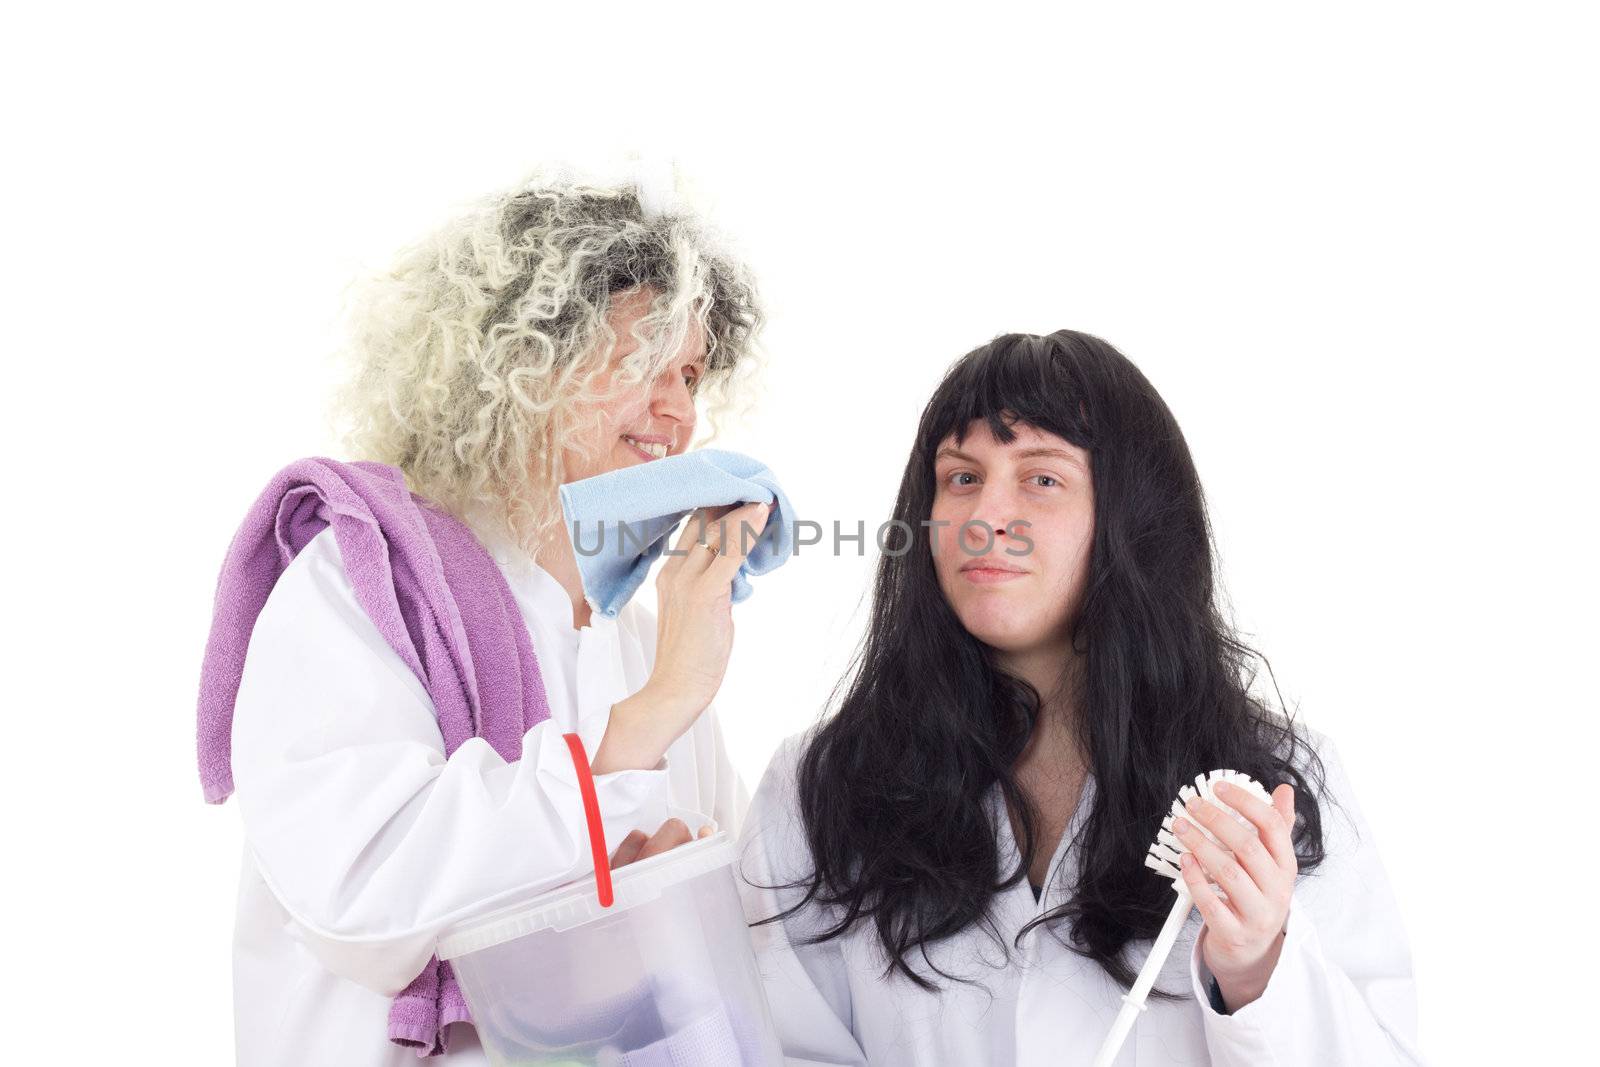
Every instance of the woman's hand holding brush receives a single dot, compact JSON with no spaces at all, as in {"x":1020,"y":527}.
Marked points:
{"x":1244,"y":932}
{"x":1240,"y":939}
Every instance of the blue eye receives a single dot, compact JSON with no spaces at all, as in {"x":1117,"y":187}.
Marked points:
{"x":1047,"y":478}
{"x":963,"y":474}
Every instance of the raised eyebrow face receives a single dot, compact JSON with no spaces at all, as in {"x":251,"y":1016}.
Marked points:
{"x":1051,"y":452}
{"x":1037,"y":452}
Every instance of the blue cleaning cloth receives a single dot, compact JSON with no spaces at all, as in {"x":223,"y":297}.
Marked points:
{"x":619,"y":521}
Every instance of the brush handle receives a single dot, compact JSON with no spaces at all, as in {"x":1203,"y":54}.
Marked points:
{"x":1133,"y":1000}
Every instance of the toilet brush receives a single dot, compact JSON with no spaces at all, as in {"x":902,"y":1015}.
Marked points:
{"x":1163,"y":858}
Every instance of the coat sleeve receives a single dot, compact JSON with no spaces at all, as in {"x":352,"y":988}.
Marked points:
{"x":372,"y":840}
{"x":807,"y":986}
{"x":723,"y":798}
{"x":1342,"y":993}
{"x":722,"y":790}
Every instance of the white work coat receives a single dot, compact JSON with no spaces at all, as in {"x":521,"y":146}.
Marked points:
{"x":1341,"y":992}
{"x":363,"y":842}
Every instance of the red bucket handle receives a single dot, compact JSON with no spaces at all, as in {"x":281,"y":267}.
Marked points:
{"x":591,"y":812}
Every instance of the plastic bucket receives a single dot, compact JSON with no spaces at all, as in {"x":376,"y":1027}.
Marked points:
{"x":663,"y":976}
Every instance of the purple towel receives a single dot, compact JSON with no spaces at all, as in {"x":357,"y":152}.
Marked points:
{"x":437,"y":597}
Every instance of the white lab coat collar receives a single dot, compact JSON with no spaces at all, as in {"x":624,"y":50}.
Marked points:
{"x":531,"y":581}
{"x":597,"y":647}
{"x":1063,"y":864}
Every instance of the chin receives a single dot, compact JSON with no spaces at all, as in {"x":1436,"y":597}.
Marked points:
{"x":1004,"y":640}
{"x":995,"y":624}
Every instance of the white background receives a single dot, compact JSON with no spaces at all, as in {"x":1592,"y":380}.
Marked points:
{"x":1354,"y":247}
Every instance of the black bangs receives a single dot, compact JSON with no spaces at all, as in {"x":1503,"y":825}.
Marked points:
{"x":1017,"y":377}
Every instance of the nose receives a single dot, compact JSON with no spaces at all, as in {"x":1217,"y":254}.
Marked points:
{"x":671,"y":400}
{"x":992,"y":508}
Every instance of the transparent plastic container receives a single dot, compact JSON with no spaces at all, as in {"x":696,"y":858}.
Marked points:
{"x":664,"y":976}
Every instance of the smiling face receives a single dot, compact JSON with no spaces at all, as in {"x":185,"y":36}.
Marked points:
{"x":650,"y":421}
{"x":1017,"y":599}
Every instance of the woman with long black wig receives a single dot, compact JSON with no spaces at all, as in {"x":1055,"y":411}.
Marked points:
{"x":1045,"y":666}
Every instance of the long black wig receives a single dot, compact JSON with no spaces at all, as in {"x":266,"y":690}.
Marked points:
{"x":891,"y":787}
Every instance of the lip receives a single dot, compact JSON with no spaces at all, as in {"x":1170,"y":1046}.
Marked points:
{"x":988,"y":572}
{"x":649,"y":439}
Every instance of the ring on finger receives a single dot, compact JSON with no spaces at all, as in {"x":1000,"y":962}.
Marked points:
{"x":713,"y":548}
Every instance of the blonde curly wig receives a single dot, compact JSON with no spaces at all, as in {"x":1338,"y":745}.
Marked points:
{"x":473,"y":361}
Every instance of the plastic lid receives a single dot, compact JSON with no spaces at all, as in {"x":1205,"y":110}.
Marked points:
{"x":575,"y":903}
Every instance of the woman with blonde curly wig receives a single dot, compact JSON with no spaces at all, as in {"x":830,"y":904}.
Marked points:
{"x":551,"y":333}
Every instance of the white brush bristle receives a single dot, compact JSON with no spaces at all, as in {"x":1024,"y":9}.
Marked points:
{"x":1163,"y":856}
